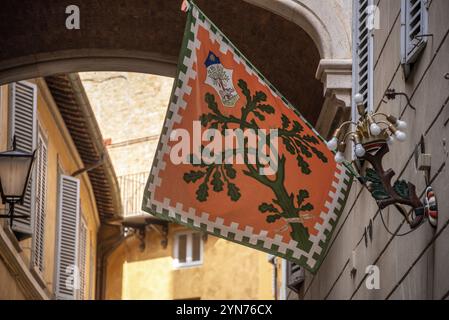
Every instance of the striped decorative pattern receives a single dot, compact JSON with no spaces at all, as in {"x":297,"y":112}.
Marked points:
{"x":67,"y":267}
{"x":23,"y":128}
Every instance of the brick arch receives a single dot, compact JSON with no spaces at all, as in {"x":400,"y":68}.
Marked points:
{"x":284,"y":39}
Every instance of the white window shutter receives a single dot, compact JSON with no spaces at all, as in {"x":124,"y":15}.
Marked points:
{"x":413,"y":28}
{"x":41,"y":204}
{"x":83,"y":292}
{"x":68,"y":281}
{"x":363,"y":53}
{"x":23,"y":128}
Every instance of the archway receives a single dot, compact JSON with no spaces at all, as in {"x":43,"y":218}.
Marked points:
{"x":303,"y":47}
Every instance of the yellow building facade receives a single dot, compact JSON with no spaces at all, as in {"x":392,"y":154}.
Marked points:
{"x":226,"y":270}
{"x":53,"y":253}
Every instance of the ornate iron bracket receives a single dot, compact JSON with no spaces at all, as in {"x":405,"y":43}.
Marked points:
{"x":391,"y":94}
{"x":379,"y":183}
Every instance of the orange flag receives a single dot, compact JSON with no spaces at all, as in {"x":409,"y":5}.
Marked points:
{"x":236,"y":160}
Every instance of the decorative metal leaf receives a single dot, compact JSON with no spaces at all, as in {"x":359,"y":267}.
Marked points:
{"x":401,"y":188}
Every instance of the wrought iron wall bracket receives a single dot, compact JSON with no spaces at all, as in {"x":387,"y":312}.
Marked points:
{"x":391,"y":94}
{"x":401,"y":193}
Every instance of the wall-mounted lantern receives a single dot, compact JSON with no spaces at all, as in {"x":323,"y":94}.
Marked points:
{"x":15,"y":171}
{"x":372,"y":135}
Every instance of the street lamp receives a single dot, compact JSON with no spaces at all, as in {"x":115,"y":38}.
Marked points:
{"x":372,"y":135}
{"x":15,"y":170}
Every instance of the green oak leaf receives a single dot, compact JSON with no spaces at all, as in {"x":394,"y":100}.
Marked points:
{"x":285,"y":121}
{"x":259,"y":115}
{"x":305,"y":168}
{"x":307,"y":207}
{"x":268,"y":207}
{"x":319,"y":154}
{"x":242,"y":85}
{"x":210,"y":100}
{"x":273,"y":218}
{"x":193,"y":176}
{"x":289,"y":146}
{"x":202,"y":193}
{"x":260,"y":96}
{"x":302,"y":195}
{"x":233,"y":192}
{"x":266,"y":108}
{"x":297,"y":127}
{"x":216,"y":182}
{"x":310,"y":139}
{"x":230,"y":171}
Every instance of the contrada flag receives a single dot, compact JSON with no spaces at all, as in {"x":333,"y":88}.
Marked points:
{"x":236,"y":160}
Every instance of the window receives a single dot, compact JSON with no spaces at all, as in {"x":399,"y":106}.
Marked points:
{"x":23,"y":128}
{"x":363,"y":53}
{"x":67,"y":266}
{"x":413,"y":29}
{"x":188,"y":248}
{"x":41,"y":203}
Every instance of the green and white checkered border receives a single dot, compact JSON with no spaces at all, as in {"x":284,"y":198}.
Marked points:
{"x":176,"y":212}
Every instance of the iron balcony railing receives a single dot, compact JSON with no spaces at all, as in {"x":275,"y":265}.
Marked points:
{"x":131,"y":190}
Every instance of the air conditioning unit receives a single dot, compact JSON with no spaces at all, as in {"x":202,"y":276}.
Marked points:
{"x":295,"y":276}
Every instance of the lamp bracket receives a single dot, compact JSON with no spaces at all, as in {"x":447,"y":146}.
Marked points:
{"x":391,"y":94}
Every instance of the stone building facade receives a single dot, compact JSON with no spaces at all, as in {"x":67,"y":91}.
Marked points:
{"x":411,"y":266}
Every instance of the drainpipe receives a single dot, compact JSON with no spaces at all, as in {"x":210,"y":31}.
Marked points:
{"x":105,"y":249}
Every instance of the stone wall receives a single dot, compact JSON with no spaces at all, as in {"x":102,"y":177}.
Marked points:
{"x":413,"y":266}
{"x":130,"y":109}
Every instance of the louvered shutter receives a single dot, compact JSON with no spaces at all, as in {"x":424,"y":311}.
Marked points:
{"x":363,"y":53}
{"x":295,"y":276}
{"x":67,"y":282}
{"x":23,"y":128}
{"x":41,"y":204}
{"x":83,"y":294}
{"x":414,"y":26}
